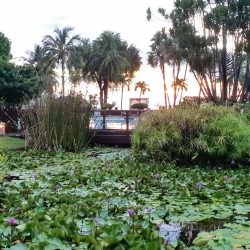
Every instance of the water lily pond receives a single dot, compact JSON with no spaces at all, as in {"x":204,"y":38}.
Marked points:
{"x":105,"y":199}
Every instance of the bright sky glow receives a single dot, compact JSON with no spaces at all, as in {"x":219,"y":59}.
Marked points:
{"x":26,"y":22}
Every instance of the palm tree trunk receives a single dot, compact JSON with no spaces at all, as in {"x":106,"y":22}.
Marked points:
{"x":175,"y":79}
{"x":162,"y":66}
{"x":185,"y":74}
{"x":105,"y":89}
{"x":204,"y":92}
{"x":246,"y":85}
{"x":181,"y":96}
{"x":140,"y":96}
{"x":122,"y":96}
{"x":101,"y":98}
{"x":63,"y":80}
{"x":224,"y":66}
{"x":200,"y":95}
{"x":236,"y":82}
{"x":100,"y":85}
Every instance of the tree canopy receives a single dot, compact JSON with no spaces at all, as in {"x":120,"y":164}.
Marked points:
{"x":212,"y":38}
{"x":17,"y":83}
{"x":5,"y":46}
{"x":108,"y":61}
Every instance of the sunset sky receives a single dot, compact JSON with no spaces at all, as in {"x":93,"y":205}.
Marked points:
{"x":26,"y":22}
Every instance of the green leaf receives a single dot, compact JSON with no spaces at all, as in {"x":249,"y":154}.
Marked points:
{"x":19,"y":246}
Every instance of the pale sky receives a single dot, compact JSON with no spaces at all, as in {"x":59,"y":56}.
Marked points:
{"x":26,"y":22}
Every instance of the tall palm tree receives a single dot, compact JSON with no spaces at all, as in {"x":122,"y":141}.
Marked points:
{"x":107,"y":62}
{"x":77,"y":61}
{"x":37,"y":58}
{"x":143,"y":88}
{"x":157,"y":57}
{"x":59,"y":47}
{"x":134,"y":60}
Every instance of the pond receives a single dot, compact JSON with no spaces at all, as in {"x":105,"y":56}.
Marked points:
{"x":104,"y":197}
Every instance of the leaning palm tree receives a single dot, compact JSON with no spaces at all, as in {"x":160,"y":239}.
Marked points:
{"x":143,"y":88}
{"x":59,"y":47}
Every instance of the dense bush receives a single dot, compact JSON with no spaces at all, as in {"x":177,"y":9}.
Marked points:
{"x":192,"y":133}
{"x":59,"y":123}
{"x":139,"y":105}
{"x":108,"y":106}
{"x":193,"y":100}
{"x":243,"y":109}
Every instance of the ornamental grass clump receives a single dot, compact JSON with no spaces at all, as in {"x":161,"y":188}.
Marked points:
{"x":59,"y":123}
{"x":189,"y":134}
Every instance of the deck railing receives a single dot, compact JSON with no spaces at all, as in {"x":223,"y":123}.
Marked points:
{"x":115,"y":119}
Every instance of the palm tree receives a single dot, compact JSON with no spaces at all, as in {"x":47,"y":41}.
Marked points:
{"x":108,"y":61}
{"x":38,"y":60}
{"x":77,"y":61}
{"x":143,"y":88}
{"x":157,"y":57}
{"x":179,"y":86}
{"x":59,"y":47}
{"x":111,"y":58}
{"x":134,"y":60}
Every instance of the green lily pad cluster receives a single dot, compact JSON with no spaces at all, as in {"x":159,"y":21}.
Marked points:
{"x":93,"y":201}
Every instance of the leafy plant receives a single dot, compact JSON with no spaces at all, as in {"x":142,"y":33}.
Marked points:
{"x":139,"y":105}
{"x":62,"y":200}
{"x":193,"y":133}
{"x":108,"y":106}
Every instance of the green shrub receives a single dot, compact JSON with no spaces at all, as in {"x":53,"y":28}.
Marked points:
{"x":59,"y":123}
{"x":139,"y":105}
{"x":109,"y":106}
{"x":243,"y":109}
{"x":206,"y":133}
{"x":193,"y":100}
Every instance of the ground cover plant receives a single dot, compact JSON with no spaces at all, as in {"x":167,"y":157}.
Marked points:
{"x":205,"y":133}
{"x":7,"y":143}
{"x":104,"y":199}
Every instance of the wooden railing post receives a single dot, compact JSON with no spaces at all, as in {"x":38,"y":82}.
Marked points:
{"x":127,"y":121}
{"x":104,"y":120}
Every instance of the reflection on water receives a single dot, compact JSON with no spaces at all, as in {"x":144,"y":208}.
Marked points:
{"x":113,"y":122}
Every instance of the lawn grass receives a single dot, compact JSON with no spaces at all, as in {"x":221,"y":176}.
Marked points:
{"x":11,"y":143}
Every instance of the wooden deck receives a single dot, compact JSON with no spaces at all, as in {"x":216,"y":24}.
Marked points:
{"x":114,"y":127}
{"x":111,"y":137}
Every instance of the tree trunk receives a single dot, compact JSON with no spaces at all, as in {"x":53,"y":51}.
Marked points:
{"x":101,"y":98}
{"x":63,"y":80}
{"x":176,"y":79}
{"x":236,"y":81}
{"x":224,"y":66}
{"x":101,"y":92}
{"x":200,"y":95}
{"x":122,"y":96}
{"x":208,"y":90}
{"x":162,"y":66}
{"x":140,"y":96}
{"x":246,"y":85}
{"x":184,"y":79}
{"x":105,"y":89}
{"x":204,"y":92}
